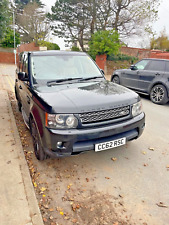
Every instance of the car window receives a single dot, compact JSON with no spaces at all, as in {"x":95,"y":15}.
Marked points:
{"x":167,"y":66}
{"x":63,"y":67}
{"x":142,"y":64}
{"x":156,"y":65}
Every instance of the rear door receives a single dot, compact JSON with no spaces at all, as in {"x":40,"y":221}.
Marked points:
{"x":154,"y":72}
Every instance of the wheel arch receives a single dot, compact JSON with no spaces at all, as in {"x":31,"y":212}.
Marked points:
{"x":35,"y":116}
{"x":158,"y":83}
{"x":115,"y":75}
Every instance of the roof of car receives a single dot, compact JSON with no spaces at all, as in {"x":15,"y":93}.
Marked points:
{"x":56,"y":52}
{"x":156,"y":59}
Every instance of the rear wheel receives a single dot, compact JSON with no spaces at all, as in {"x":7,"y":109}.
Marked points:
{"x":38,"y":148}
{"x":158,"y":94}
{"x":115,"y":80}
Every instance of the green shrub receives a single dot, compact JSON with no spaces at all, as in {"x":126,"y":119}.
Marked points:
{"x":76,"y":49}
{"x":49,"y":45}
{"x":121,"y":57}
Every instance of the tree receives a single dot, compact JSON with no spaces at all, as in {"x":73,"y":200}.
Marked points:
{"x":162,"y":42}
{"x":77,"y":20}
{"x":20,"y":4}
{"x":72,"y":19}
{"x":4,"y":17}
{"x":8,"y":40}
{"x":104,"y":42}
{"x":32,"y":24}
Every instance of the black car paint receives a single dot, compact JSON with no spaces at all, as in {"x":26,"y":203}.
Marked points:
{"x":77,"y":97}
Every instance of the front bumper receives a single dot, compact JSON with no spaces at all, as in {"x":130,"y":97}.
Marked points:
{"x":76,"y":141}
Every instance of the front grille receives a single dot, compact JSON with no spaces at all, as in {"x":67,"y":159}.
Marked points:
{"x":104,"y":115}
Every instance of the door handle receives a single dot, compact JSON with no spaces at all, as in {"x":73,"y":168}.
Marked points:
{"x":28,"y":99}
{"x":157,"y":74}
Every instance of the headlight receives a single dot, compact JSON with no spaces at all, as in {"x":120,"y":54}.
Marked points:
{"x":61,"y":121}
{"x":137,"y":109}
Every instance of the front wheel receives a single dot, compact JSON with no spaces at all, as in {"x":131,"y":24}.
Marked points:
{"x":38,"y":148}
{"x":158,"y":95}
{"x":115,"y":80}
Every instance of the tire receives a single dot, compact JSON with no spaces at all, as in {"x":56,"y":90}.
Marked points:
{"x":158,"y":95}
{"x":37,"y":145}
{"x":116,"y":80}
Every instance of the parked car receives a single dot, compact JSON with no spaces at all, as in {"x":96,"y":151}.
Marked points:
{"x":148,"y":76}
{"x":69,"y":106}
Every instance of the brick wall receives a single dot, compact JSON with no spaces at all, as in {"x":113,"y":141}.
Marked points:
{"x":162,"y":55}
{"x":101,"y":61}
{"x":28,"y":47}
{"x":140,"y":53}
{"x":7,"y":55}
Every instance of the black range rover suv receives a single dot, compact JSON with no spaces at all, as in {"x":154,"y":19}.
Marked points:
{"x":148,"y":76}
{"x":70,"y":107}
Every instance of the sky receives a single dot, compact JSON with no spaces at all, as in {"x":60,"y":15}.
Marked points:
{"x":161,"y":24}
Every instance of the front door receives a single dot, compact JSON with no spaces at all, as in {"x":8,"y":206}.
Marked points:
{"x":131,"y":77}
{"x":154,"y":71}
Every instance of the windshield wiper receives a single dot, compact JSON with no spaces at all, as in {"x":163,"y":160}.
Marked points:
{"x":89,"y":78}
{"x":53,"y":82}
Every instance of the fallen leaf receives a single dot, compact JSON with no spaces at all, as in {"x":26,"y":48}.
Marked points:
{"x":46,"y":206}
{"x":66,"y":218}
{"x":61,"y":213}
{"x":152,"y":149}
{"x":43,"y":189}
{"x":167,"y":167}
{"x":51,"y":217}
{"x":69,"y":186}
{"x":161,"y":204}
{"x":51,"y":210}
{"x":144,"y":153}
{"x":114,"y":159}
{"x":74,"y":220}
{"x":45,"y":220}
{"x":107,"y":178}
{"x":145,"y":164}
{"x":87,"y":179}
{"x":35,"y":184}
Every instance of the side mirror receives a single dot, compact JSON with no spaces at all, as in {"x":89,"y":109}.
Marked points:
{"x":102,"y":71}
{"x":133,"y":67}
{"x":23,"y":76}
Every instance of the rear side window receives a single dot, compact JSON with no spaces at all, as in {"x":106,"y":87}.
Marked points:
{"x":156,"y":65}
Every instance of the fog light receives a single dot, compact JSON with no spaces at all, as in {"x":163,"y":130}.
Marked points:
{"x":59,"y":144}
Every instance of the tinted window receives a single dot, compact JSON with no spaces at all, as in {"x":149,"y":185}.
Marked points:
{"x":157,"y":65}
{"x":167,"y":66}
{"x":142,"y":64}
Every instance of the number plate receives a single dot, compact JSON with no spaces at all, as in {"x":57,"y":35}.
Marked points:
{"x":110,"y":144}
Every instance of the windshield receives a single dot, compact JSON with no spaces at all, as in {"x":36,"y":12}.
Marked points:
{"x":62,"y":67}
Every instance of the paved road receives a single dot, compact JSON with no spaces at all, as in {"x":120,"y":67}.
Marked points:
{"x":138,"y":173}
